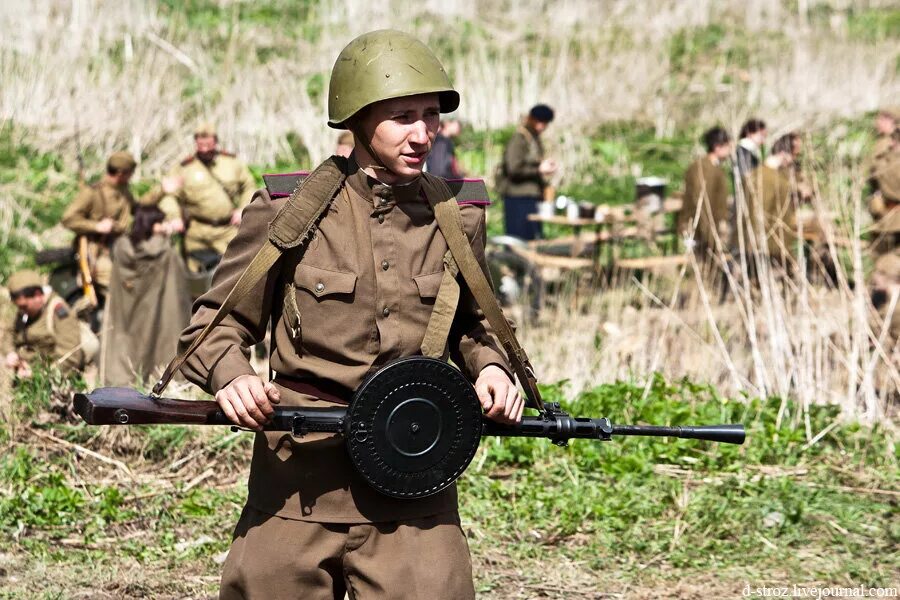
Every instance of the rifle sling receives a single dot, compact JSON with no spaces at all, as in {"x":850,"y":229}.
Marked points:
{"x":449,"y":220}
{"x":294,"y":224}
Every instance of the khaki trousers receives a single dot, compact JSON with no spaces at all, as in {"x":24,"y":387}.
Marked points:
{"x":273,"y":558}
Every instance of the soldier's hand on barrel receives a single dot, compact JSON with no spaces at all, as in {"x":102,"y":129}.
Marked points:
{"x":236,"y":217}
{"x":247,"y":401}
{"x":499,"y":395}
{"x":172,"y":185}
{"x":104,"y":226}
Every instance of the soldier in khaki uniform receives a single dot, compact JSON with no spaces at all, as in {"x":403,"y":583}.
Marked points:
{"x":204,"y":195}
{"x":706,"y":194}
{"x":358,"y":296}
{"x":523,"y":172}
{"x":102,"y":212}
{"x":769,"y":220}
{"x":887,"y":122}
{"x":44,"y":328}
{"x":885,"y":206}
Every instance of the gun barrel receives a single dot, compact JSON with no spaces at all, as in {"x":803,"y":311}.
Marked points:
{"x":727,"y":434}
{"x":560,"y":428}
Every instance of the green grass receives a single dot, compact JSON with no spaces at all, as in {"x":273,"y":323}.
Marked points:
{"x":609,"y":506}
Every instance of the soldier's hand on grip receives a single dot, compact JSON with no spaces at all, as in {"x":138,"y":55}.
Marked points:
{"x":499,"y":396}
{"x":247,"y":401}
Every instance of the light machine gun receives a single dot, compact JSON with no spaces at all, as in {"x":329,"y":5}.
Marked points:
{"x":411,"y":429}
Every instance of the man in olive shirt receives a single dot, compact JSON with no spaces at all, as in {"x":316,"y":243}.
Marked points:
{"x":523,"y":173}
{"x":769,"y":217}
{"x":205,"y":194}
{"x":102,"y":212}
{"x":44,"y":328}
{"x":359,"y":295}
{"x":703,"y":218}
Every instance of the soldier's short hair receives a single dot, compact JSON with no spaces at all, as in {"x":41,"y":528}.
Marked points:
{"x":784,"y":144}
{"x":715,"y":137}
{"x":752,"y":126}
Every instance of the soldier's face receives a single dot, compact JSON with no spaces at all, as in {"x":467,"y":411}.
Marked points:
{"x":30,"y":305}
{"x":206,"y":145}
{"x":401,"y":132}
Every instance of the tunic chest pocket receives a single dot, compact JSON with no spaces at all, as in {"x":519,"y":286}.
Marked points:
{"x":428,"y":285}
{"x":323,"y":283}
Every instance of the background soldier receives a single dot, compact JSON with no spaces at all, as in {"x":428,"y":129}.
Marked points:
{"x":344,"y":145}
{"x":523,"y":173}
{"x":770,"y":217}
{"x":44,"y":328}
{"x":885,"y":207}
{"x":204,"y":195}
{"x":886,"y":125}
{"x":442,"y":160}
{"x":748,"y":155}
{"x":706,"y":186}
{"x":102,"y":212}
{"x":360,"y":295}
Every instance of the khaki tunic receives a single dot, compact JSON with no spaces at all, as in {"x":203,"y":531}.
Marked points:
{"x":521,"y":158}
{"x":360,"y":296}
{"x":54,"y":335}
{"x":705,"y":184}
{"x":93,"y":204}
{"x":772,"y":211}
{"x":210,"y":194}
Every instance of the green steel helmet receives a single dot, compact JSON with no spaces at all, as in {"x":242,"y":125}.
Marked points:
{"x":385,"y":64}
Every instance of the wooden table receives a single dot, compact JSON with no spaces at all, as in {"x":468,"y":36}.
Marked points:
{"x":602,"y":230}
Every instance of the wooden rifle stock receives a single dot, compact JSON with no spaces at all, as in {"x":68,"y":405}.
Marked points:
{"x":84,"y":268}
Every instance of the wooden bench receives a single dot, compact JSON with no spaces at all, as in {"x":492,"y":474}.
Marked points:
{"x":649,"y":263}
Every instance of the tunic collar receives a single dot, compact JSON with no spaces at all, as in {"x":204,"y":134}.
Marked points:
{"x":370,"y":188}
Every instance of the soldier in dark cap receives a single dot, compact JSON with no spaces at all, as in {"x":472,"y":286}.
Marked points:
{"x":706,"y":194}
{"x":523,"y":172}
{"x":102,"y":212}
{"x":44,"y":329}
{"x":361,"y":294}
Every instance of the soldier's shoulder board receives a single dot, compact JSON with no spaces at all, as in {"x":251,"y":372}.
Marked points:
{"x":281,"y":185}
{"x":188,"y":160}
{"x":61,"y":311}
{"x":226,"y":153}
{"x":470,"y":191}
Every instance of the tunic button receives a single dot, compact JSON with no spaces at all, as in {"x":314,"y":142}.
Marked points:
{"x":385,"y":265}
{"x":383,"y":202}
{"x":386,"y":311}
{"x":381,"y":218}
{"x":320,"y":287}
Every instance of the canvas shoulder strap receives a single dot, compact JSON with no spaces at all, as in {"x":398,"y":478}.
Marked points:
{"x":294,"y":224}
{"x":449,"y":220}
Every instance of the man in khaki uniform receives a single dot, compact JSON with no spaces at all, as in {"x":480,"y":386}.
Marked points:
{"x":522,"y":174}
{"x":102,"y":212}
{"x":885,"y":207}
{"x":769,"y":219}
{"x":205,"y":194}
{"x":358,"y":295}
{"x":703,"y":218}
{"x":45,"y":329}
{"x":887,"y":122}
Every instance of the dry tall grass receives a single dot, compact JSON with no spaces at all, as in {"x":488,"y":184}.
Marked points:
{"x":785,"y":334}
{"x":131,"y":74}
